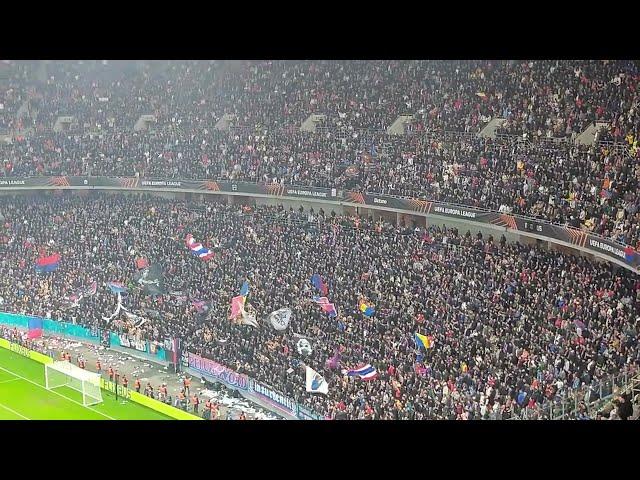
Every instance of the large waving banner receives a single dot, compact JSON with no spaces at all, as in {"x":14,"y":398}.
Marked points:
{"x":151,"y":279}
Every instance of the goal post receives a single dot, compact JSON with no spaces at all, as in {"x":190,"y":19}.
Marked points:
{"x":66,"y":374}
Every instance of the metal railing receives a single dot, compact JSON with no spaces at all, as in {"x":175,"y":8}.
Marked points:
{"x":442,"y":134}
{"x":567,"y":403}
{"x":620,"y":148}
{"x":340,"y":132}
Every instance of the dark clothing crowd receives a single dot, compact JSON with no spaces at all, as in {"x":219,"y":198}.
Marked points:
{"x":540,"y":99}
{"x":593,"y":188}
{"x":523,"y":171}
{"x":513,"y":326}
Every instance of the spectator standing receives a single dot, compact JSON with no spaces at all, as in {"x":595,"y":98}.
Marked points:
{"x":186,"y":383}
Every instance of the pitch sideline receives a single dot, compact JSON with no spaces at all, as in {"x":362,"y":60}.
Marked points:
{"x":59,"y":394}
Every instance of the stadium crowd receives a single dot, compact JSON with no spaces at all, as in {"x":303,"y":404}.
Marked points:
{"x":513,"y":326}
{"x":12,"y":95}
{"x":542,"y":98}
{"x":592,"y":188}
{"x":595,"y":188}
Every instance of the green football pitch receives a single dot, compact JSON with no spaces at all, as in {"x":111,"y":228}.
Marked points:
{"x":24,"y":397}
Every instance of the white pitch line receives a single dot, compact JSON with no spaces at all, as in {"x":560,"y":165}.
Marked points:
{"x":8,"y":381}
{"x":14,"y":412}
{"x":59,"y":394}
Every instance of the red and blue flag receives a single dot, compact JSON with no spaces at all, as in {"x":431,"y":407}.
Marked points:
{"x":317,"y":281}
{"x":365,"y":372}
{"x":117,"y":287}
{"x":35,"y":327}
{"x":198,"y":249}
{"x":48,"y":264}
{"x":327,"y":307}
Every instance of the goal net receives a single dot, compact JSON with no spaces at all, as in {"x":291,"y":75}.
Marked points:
{"x":65,"y":374}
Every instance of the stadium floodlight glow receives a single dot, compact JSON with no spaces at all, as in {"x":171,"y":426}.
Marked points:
{"x":65,"y":374}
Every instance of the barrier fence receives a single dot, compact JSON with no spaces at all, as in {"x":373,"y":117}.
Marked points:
{"x":161,"y":352}
{"x":566,"y":404}
{"x":196,"y":365}
{"x":249,"y":388}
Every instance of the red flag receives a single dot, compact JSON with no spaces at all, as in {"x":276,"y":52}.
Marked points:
{"x":141,"y":263}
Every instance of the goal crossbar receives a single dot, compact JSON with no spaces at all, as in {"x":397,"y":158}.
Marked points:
{"x":65,"y":374}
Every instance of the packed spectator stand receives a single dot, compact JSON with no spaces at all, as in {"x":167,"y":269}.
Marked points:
{"x":506,"y":311}
{"x":594,"y":187}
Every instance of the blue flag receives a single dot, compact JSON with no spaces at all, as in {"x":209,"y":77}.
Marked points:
{"x":244,"y":290}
